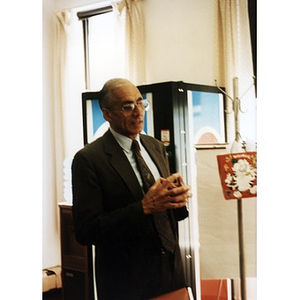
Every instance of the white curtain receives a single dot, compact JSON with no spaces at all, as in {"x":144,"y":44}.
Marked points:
{"x":68,"y":86}
{"x":236,"y":58}
{"x":60,"y":47}
{"x":132,"y":12}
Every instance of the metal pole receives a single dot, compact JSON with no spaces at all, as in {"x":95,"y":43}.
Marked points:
{"x":241,"y":249}
{"x":236,"y":107}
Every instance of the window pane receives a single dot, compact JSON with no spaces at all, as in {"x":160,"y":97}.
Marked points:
{"x":106,"y":49}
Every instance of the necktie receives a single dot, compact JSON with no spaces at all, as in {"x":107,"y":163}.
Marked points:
{"x":161,"y":219}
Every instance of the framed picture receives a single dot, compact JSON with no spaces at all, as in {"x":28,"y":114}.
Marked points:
{"x":207,"y":115}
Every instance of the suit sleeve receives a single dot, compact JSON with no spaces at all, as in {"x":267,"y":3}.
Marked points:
{"x":93,"y":223}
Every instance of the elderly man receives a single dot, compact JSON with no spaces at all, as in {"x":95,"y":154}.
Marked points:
{"x":127,"y":204}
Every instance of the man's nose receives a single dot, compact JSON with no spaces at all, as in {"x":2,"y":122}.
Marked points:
{"x":138,"y":110}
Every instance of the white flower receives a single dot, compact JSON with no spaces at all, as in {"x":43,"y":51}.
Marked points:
{"x":242,"y":167}
{"x":228,"y":179}
{"x":244,"y":175}
{"x":253,"y":190}
{"x":237,"y":194}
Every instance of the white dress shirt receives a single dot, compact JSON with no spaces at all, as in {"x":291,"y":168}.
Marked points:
{"x":125,"y":144}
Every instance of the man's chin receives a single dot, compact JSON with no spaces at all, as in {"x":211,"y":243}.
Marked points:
{"x":138,"y":129}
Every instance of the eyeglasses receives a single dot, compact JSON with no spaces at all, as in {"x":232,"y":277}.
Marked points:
{"x":130,"y":107}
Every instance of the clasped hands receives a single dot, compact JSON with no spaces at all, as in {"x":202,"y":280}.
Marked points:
{"x":166,"y":193}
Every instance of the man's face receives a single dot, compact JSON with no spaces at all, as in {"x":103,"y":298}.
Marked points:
{"x":128,"y":123}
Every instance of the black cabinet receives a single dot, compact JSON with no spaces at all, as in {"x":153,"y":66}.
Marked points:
{"x":77,"y":279}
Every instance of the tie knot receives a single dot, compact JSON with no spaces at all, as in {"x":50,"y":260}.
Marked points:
{"x":135,"y":145}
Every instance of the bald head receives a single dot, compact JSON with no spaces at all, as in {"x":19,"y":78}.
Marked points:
{"x":108,"y":88}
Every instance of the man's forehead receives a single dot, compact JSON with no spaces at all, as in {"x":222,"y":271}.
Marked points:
{"x":126,"y":93}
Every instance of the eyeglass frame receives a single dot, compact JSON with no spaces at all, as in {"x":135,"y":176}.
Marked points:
{"x":143,"y":104}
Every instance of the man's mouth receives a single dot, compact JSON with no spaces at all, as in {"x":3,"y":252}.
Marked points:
{"x":137,"y":122}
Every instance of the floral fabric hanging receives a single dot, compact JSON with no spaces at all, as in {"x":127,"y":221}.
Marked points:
{"x":238,"y":174}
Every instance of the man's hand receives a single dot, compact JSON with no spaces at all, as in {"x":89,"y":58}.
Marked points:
{"x":166,"y":193}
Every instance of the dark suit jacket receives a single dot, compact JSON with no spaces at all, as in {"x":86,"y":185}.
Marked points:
{"x":108,"y":213}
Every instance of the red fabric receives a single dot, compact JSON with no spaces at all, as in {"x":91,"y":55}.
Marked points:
{"x":212,"y":289}
{"x":238,"y":174}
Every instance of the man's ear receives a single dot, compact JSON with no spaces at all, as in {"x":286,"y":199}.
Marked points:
{"x":106,"y":114}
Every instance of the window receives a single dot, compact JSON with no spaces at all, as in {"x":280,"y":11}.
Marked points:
{"x":104,"y":46}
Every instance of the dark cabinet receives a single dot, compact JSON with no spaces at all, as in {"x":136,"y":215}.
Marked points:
{"x":77,"y":279}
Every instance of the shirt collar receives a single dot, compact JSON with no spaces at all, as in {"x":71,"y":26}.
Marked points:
{"x":124,"y":141}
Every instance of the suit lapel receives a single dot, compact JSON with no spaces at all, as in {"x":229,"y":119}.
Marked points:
{"x":121,"y":165}
{"x":156,"y":156}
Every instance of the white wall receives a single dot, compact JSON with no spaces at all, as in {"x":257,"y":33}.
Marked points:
{"x":181,"y":41}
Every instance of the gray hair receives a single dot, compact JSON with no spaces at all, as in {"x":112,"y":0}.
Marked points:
{"x":108,"y":87}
